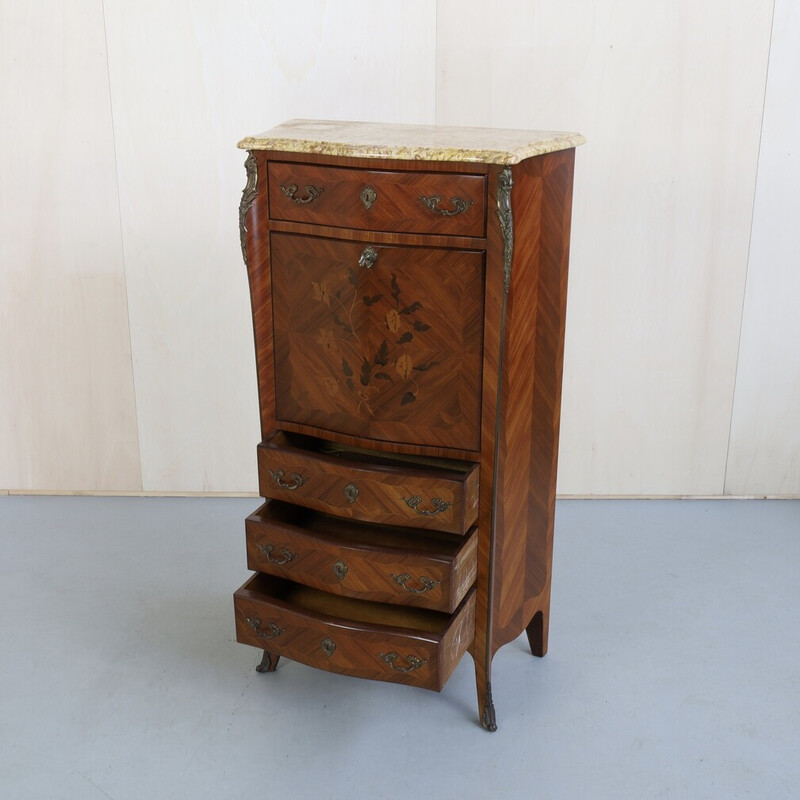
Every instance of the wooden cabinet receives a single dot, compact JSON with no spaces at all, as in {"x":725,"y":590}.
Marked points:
{"x":408,"y":289}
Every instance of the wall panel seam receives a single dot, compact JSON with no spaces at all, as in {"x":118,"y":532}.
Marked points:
{"x":122,"y":248}
{"x":749,"y":252}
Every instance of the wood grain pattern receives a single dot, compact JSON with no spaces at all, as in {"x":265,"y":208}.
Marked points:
{"x":380,"y":237}
{"x":258,"y":268}
{"x":256,"y":242}
{"x":400,"y":448}
{"x":352,"y":637}
{"x":394,"y":205}
{"x":523,"y":354}
{"x":381,"y":487}
{"x":378,"y":563}
{"x":532,"y":396}
{"x":391,"y":351}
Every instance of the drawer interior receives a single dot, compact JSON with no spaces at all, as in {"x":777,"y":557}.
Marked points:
{"x":363,"y":455}
{"x":270,"y":588}
{"x":360,"y":534}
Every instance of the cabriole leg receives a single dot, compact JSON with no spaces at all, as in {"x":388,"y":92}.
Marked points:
{"x":269,"y":662}
{"x":485,"y":703}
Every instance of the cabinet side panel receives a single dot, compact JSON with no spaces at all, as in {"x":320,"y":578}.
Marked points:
{"x":515,"y":454}
{"x":255,"y":241}
{"x":531,"y":398}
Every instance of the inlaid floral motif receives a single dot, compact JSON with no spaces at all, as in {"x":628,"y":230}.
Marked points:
{"x":331,"y":385}
{"x":363,"y":370}
{"x":320,"y":291}
{"x":327,"y":340}
{"x":404,"y":365}
{"x":393,"y":320}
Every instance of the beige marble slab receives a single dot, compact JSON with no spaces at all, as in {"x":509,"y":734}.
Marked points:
{"x":412,"y":142}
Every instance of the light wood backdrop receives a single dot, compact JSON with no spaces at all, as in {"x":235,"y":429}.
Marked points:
{"x":126,"y":357}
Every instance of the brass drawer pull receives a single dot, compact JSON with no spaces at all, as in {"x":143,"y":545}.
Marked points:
{"x":274,"y":629}
{"x":328,"y":646}
{"x":312,"y":193}
{"x":340,"y":569}
{"x":369,"y":255}
{"x":439,"y":506}
{"x":412,"y":661}
{"x":286,"y":555}
{"x":368,"y":197}
{"x":277,"y":476}
{"x":460,"y":205}
{"x":426,"y":584}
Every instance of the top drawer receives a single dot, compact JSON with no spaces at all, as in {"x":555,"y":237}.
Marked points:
{"x":411,"y":202}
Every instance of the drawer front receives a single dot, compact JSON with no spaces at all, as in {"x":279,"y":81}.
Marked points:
{"x":384,"y":493}
{"x":386,"y":565}
{"x":298,"y":626}
{"x":381,"y":342}
{"x":411,"y":202}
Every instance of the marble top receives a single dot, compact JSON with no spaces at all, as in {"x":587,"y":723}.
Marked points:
{"x":412,"y":142}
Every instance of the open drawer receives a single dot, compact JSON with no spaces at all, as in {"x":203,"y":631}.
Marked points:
{"x":353,"y":637}
{"x":373,"y":562}
{"x":369,"y":486}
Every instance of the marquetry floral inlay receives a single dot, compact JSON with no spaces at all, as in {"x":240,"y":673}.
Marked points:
{"x":363,"y":371}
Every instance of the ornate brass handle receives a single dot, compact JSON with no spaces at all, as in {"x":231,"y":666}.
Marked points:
{"x":312,"y":193}
{"x":369,"y":255}
{"x":413,"y":662}
{"x":340,"y":569}
{"x":426,"y":584}
{"x":277,"y":476}
{"x":286,"y":555}
{"x":438,"y":505}
{"x":351,"y":492}
{"x":460,"y":205}
{"x":274,"y":629}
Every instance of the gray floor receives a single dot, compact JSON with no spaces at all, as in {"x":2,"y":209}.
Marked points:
{"x":674,"y":667}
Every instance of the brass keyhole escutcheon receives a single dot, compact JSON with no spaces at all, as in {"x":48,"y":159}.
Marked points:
{"x":368,"y":197}
{"x":351,"y":492}
{"x":328,"y":646}
{"x":369,"y":255}
{"x":340,"y":569}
